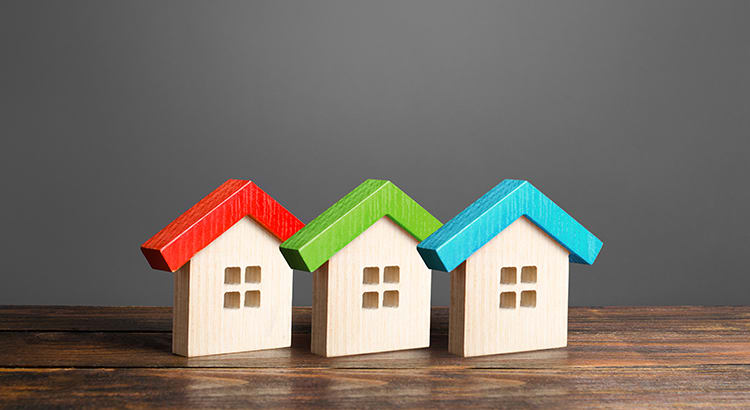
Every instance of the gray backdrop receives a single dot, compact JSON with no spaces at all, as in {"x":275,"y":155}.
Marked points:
{"x":633,"y":115}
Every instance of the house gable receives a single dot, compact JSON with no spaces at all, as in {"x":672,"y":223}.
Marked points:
{"x":510,"y":295}
{"x":489,"y":215}
{"x":374,"y":293}
{"x":192,"y":231}
{"x":332,"y":230}
{"x":233,"y":287}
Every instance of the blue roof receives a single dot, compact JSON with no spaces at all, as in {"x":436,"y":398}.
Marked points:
{"x":481,"y":221}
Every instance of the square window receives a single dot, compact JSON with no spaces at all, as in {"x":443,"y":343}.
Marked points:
{"x":391,"y":274}
{"x":370,"y":300}
{"x":252,"y":274}
{"x":508,"y":300}
{"x":371,"y":275}
{"x":528,"y":298}
{"x":508,"y":276}
{"x":232,"y":275}
{"x":390,"y":298}
{"x":528,"y":274}
{"x":232,"y":300}
{"x":252,"y":298}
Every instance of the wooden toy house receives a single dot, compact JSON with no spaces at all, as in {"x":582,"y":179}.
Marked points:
{"x":371,"y":290}
{"x":232,"y":287}
{"x":508,"y":254}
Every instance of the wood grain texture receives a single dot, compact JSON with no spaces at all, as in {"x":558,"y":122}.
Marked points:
{"x":181,"y":310}
{"x":714,"y":386}
{"x":489,"y":327}
{"x":343,"y":326}
{"x":327,"y":234}
{"x":192,"y":231}
{"x":457,"y":311}
{"x":622,"y":357}
{"x":685,"y":320}
{"x":662,"y":348}
{"x":486,"y":217}
{"x":319,"y":320}
{"x":103,"y":357}
{"x":204,"y":324}
{"x":597,"y":337}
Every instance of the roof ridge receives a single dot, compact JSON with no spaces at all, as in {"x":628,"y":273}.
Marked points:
{"x":209,"y":218}
{"x":494,"y":211}
{"x":208,"y":213}
{"x":489,"y":208}
{"x":351,"y":215}
{"x":386,"y":182}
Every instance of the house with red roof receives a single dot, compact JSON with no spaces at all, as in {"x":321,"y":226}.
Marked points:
{"x":232,"y":287}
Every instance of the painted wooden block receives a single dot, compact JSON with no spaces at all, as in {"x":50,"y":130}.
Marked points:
{"x":508,"y":254}
{"x":371,"y":290}
{"x":232,"y":287}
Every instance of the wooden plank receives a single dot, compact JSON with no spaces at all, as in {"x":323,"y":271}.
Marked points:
{"x":723,"y":344}
{"x":106,"y":319}
{"x":580,"y":319}
{"x":358,"y":388}
{"x":86,"y":318}
{"x":617,"y":357}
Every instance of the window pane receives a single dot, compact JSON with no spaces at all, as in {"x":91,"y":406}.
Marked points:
{"x":508,"y":300}
{"x":371,"y":275}
{"x":252,"y":274}
{"x":508,"y":276}
{"x":232,"y":300}
{"x":391,"y":274}
{"x":528,"y":298}
{"x":252,"y":298}
{"x":370,"y":300}
{"x":390,"y":298}
{"x":528,"y":274}
{"x":232,"y":275}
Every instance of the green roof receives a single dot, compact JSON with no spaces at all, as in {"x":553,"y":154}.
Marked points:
{"x":332,"y":230}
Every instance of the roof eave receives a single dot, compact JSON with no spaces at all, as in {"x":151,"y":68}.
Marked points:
{"x":451,"y":245}
{"x":346,"y":219}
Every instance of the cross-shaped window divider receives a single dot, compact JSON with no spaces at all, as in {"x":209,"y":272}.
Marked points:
{"x":510,"y":287}
{"x":373,"y":287}
{"x":235,"y":288}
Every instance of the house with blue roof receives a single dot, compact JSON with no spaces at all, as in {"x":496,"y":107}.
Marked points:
{"x":508,"y":254}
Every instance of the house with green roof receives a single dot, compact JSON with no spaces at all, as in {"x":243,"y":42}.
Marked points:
{"x":371,"y":289}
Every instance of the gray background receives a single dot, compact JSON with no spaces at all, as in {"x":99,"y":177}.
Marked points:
{"x":633,"y":115}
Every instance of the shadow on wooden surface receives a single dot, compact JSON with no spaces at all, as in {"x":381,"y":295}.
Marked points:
{"x":636,"y":356}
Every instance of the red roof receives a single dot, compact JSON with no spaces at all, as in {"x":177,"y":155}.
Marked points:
{"x":192,"y":231}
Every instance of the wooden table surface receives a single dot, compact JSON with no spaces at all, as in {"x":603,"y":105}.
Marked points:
{"x":616,"y":357}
